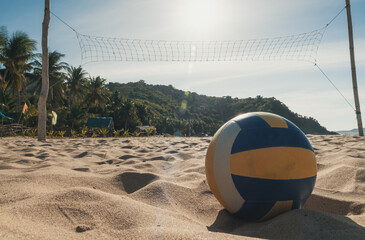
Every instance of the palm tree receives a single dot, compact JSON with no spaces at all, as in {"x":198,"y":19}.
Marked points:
{"x":3,"y":39}
{"x":128,"y":113}
{"x":15,"y":55}
{"x":76,"y":81}
{"x":76,"y":117}
{"x":57,"y":76}
{"x":97,"y":95}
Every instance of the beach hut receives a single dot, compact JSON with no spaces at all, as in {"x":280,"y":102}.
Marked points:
{"x":100,"y":122}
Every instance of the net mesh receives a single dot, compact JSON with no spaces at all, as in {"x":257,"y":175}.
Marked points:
{"x":300,"y":47}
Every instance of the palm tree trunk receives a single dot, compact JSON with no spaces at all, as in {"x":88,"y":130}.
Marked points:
{"x":42,"y":111}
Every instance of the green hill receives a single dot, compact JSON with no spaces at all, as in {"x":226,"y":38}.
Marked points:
{"x":175,"y":111}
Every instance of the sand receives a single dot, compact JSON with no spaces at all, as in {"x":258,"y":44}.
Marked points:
{"x":155,"y":188}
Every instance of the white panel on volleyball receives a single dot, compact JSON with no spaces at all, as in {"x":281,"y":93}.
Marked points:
{"x":222,"y":167}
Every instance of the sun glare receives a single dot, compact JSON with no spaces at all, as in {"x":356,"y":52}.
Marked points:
{"x":199,"y":18}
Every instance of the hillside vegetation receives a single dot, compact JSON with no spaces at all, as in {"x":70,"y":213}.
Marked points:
{"x":175,"y":111}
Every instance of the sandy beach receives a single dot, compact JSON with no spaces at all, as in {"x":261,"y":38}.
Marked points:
{"x":155,"y":188}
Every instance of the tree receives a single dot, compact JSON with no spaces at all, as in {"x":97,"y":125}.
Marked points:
{"x":97,"y":95}
{"x":129,"y":113}
{"x":116,"y":100}
{"x":76,"y":81}
{"x":3,"y":40}
{"x":57,"y":77}
{"x":143,"y":113}
{"x":15,"y":55}
{"x":3,"y":36}
{"x":7,"y":102}
{"x":42,"y":110}
{"x":76,"y":117}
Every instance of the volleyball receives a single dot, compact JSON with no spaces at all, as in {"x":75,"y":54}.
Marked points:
{"x":259,"y":165}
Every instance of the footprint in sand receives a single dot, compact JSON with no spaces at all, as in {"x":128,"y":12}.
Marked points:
{"x":43,"y":156}
{"x":81,"y":155}
{"x":83,"y":228}
{"x":158,"y":158}
{"x":127,"y":147}
{"x":133,"y":181}
{"x":82,"y":169}
{"x":172,"y":152}
{"x":126,"y":157}
{"x":46,"y":145}
{"x":105,"y":162}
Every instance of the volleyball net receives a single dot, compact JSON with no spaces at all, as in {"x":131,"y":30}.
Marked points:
{"x":300,"y":47}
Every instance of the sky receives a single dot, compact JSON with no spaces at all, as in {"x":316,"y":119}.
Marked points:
{"x":299,"y":85}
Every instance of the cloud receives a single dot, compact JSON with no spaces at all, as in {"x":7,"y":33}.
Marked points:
{"x":336,"y":54}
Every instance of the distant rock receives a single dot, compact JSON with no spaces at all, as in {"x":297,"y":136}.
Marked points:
{"x":354,"y":131}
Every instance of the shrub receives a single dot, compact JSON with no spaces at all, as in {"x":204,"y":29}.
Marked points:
{"x":104,"y":132}
{"x":50,"y":133}
{"x":126,"y":133}
{"x":74,"y":134}
{"x":117,"y":132}
{"x":61,"y":133}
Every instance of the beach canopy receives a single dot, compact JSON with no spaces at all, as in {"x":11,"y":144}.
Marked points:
{"x":4,"y":117}
{"x":100,"y":122}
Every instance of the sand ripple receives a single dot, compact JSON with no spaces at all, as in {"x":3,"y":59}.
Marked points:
{"x":155,"y":188}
